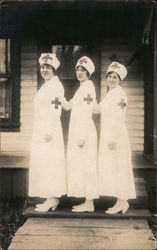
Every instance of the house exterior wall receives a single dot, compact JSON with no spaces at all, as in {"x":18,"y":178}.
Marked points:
{"x":18,"y":143}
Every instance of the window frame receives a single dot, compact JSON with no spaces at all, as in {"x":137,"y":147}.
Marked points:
{"x":12,"y":124}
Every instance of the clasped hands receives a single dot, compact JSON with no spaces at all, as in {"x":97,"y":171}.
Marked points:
{"x":81,"y":143}
{"x":48,"y":138}
{"x":112,"y":145}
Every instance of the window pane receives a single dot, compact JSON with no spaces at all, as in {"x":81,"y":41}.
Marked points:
{"x":5,"y":88}
{"x":4,"y":99}
{"x":2,"y":57}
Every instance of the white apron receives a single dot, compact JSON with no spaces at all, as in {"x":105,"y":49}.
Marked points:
{"x":114,"y":166}
{"x":82,"y":162}
{"x":47,"y":174}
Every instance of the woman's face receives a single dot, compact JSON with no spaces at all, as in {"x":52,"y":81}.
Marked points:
{"x":46,"y":72}
{"x":113,"y":80}
{"x":81,"y":74}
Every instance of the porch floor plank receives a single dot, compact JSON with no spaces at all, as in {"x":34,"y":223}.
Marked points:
{"x":98,"y":214}
{"x":72,"y":234}
{"x":35,"y":224}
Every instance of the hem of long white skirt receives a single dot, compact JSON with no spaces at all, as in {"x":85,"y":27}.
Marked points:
{"x":119,"y":196}
{"x":83,"y":196}
{"x":46,"y":196}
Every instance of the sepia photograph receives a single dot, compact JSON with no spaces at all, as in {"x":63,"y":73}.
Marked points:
{"x":78,"y":124}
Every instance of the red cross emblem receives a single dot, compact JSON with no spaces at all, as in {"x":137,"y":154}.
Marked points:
{"x":47,"y":57}
{"x":115,"y":66}
{"x":56,"y":102}
{"x":88,"y":99}
{"x":122,"y":104}
{"x":83,"y":60}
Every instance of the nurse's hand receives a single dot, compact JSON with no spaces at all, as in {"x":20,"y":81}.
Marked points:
{"x":96,"y":109}
{"x":48,"y":138}
{"x":67,"y":105}
{"x":81,"y":143}
{"x":112,"y":145}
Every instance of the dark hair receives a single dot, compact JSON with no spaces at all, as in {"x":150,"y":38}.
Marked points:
{"x":88,"y":74}
{"x":54,"y":71}
{"x":109,"y":73}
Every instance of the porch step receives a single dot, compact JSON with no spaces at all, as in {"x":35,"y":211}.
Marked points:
{"x":98,"y":214}
{"x":81,"y":234}
{"x":140,"y":202}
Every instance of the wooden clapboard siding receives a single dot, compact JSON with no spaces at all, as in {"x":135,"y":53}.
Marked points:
{"x":134,"y":87}
{"x":19,"y":143}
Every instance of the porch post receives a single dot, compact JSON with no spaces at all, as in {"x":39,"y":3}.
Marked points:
{"x":155,"y":93}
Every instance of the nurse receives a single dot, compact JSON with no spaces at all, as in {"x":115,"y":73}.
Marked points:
{"x":47,"y":175}
{"x":114,"y":163}
{"x":82,"y":140}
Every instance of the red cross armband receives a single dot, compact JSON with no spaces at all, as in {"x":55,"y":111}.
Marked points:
{"x":88,"y":99}
{"x":122,"y":103}
{"x":56,"y":103}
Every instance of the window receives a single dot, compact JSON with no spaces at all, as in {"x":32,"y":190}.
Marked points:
{"x":68,"y":56}
{"x":9,"y":85}
{"x":5,"y":107}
